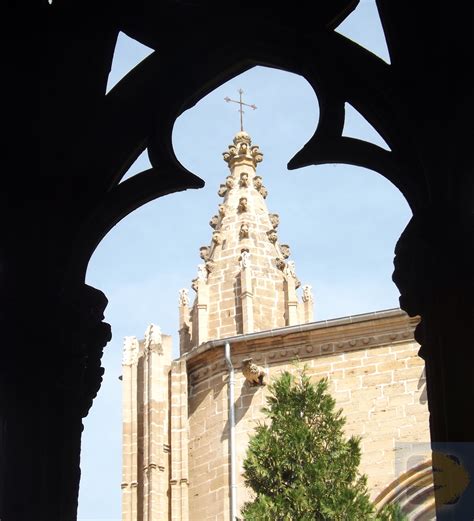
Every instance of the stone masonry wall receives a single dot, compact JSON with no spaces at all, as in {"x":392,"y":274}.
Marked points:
{"x":379,"y":387}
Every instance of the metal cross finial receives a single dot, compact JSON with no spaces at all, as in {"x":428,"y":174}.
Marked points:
{"x":241,"y":103}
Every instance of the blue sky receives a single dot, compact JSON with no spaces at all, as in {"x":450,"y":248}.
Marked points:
{"x":341,"y":222}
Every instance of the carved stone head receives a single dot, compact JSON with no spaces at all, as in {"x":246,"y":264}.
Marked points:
{"x":244,"y":231}
{"x":214,"y":220}
{"x":280,"y":264}
{"x":229,"y":182}
{"x":216,"y":238}
{"x":222,"y":190}
{"x":244,"y":179}
{"x":222,"y":210}
{"x":285,"y":250}
{"x":257,"y":182}
{"x":243,"y":205}
{"x":275,"y":220}
{"x":272,"y":236}
{"x":204,"y":253}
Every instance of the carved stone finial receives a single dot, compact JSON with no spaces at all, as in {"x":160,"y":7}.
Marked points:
{"x":229,"y":182}
{"x":252,"y":372}
{"x":244,"y":258}
{"x":222,"y":190}
{"x":152,"y":337}
{"x":307,"y":293}
{"x":130,"y":350}
{"x":214,"y":221}
{"x":202,"y":272}
{"x":230,"y":154}
{"x":242,"y":137}
{"x":275,"y":220}
{"x":222,"y":210}
{"x":243,"y":205}
{"x":290,"y":269}
{"x":263,"y":192}
{"x":216,"y":238}
{"x":272,"y":236}
{"x":244,"y":231}
{"x":256,"y":154}
{"x":285,"y":250}
{"x":183,"y":297}
{"x":204,"y":253}
{"x":244,"y":180}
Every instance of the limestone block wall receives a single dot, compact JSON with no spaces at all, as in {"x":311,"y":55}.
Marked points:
{"x":381,"y":391}
{"x":375,"y":375}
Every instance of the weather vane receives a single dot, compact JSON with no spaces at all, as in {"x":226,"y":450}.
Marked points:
{"x":241,"y":103}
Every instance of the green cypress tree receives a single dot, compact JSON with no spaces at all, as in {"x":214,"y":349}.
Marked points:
{"x":299,"y":463}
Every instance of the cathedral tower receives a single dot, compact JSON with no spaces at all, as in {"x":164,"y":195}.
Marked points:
{"x":245,"y":282}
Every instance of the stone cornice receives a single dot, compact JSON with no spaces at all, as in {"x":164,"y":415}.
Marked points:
{"x":304,"y":341}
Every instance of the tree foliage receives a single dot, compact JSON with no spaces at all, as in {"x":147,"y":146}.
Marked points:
{"x":299,"y":463}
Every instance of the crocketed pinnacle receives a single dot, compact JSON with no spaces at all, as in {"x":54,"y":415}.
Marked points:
{"x":244,"y":281}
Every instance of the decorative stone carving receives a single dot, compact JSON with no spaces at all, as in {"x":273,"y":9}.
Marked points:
{"x":222,"y":190}
{"x":231,"y":153}
{"x":244,"y":258}
{"x":256,"y":154}
{"x":229,"y":182}
{"x":272,"y":236}
{"x":210,"y":266}
{"x":275,"y":220}
{"x":152,"y":338}
{"x":130,"y":350}
{"x":263,"y":192}
{"x":216,"y":238}
{"x":290,"y":269}
{"x":222,"y":210}
{"x":243,"y":148}
{"x":252,"y":372}
{"x":183,"y":297}
{"x":285,"y":250}
{"x":280,"y":264}
{"x":202,"y":272}
{"x":214,"y":221}
{"x":242,"y":137}
{"x":257,"y":182}
{"x":204,"y":253}
{"x":307,"y":294}
{"x":244,"y":180}
{"x":244,"y":231}
{"x":243,"y":205}
{"x":194,"y":284}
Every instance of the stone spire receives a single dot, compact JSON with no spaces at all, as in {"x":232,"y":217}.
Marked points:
{"x":244,"y":281}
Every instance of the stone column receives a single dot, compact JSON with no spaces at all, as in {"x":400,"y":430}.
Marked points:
{"x":246,"y":295}
{"x":179,"y":442}
{"x":129,"y":429}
